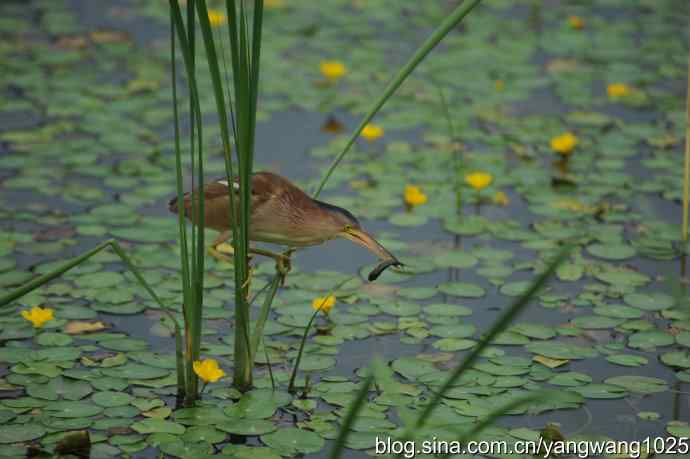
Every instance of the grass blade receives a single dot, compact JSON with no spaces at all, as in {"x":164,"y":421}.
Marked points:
{"x":493,"y":416}
{"x":503,"y":321}
{"x":263,"y":315}
{"x":39,"y":281}
{"x":441,"y":31}
{"x":686,"y":165}
{"x":351,"y":416}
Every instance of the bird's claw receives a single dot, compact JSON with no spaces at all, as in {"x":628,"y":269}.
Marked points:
{"x":284,"y":264}
{"x":215,"y":253}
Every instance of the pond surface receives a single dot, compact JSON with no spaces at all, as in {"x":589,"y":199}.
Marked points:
{"x":86,"y":154}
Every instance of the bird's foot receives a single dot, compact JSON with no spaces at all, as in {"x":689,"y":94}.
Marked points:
{"x":283,"y":265}
{"x":225,"y":255}
{"x":225,"y":252}
{"x":248,"y":282}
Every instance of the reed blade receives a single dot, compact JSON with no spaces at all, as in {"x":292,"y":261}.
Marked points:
{"x":429,"y":44}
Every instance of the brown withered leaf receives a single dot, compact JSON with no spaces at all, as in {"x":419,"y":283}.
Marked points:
{"x":332,"y":126}
{"x":108,"y":36}
{"x":77,"y":327}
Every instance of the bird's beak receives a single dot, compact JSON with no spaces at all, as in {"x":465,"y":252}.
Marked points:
{"x":364,"y":239}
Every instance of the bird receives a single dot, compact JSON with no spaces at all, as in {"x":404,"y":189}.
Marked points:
{"x":280,"y":213}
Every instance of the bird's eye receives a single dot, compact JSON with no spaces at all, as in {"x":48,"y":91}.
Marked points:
{"x":348,"y":227}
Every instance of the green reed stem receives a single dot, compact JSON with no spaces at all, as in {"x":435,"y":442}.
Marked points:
{"x":686,"y":165}
{"x":504,"y":409}
{"x":504,"y":320}
{"x":441,"y":31}
{"x":456,"y":154}
{"x":193,"y":270}
{"x":45,"y":278}
{"x":295,"y":368}
{"x":263,"y":314}
{"x":351,"y":416}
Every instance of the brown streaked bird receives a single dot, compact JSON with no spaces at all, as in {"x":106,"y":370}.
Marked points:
{"x":281,"y":213}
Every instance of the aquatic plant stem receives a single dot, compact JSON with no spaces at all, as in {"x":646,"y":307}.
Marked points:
{"x":493,"y":416}
{"x":504,"y":320}
{"x":291,"y":384}
{"x":194,"y":285}
{"x":686,"y":166}
{"x":263,"y":314}
{"x":295,"y":368}
{"x":351,"y":415}
{"x":45,"y":278}
{"x":441,"y":31}
{"x":457,"y":163}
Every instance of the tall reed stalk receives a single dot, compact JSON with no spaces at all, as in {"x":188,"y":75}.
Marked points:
{"x":244,"y":31}
{"x":448,"y":24}
{"x":192,"y":259}
{"x":686,"y":165}
{"x":437,"y":395}
{"x":36,"y":283}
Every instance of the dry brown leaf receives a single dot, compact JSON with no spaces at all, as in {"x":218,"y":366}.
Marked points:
{"x":549,"y":362}
{"x":77,"y":327}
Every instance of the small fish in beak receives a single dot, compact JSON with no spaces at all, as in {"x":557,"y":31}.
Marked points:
{"x":361,"y":237}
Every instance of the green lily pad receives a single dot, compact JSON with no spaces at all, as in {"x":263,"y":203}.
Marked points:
{"x":650,"y":339}
{"x":639,"y":384}
{"x":73,"y":409}
{"x":108,"y":399}
{"x":612,"y":251}
{"x":60,"y":387}
{"x":462,"y":289}
{"x":246,"y":426}
{"x":153,"y":425}
{"x":16,"y":433}
{"x":627,"y":360}
{"x":292,"y":441}
{"x":649,"y":301}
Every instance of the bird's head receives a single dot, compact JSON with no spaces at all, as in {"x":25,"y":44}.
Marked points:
{"x":347,"y":226}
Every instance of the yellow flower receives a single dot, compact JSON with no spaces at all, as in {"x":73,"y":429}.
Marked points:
{"x":615,"y":90}
{"x":38,"y":316}
{"x":332,"y":70}
{"x":564,"y":143}
{"x":216,"y":17}
{"x":414,"y":196}
{"x":479,"y":180}
{"x":500,"y":85}
{"x":208,"y":370}
{"x":372,"y":132}
{"x":323,"y":303}
{"x":273,"y":4}
{"x":576,"y":22}
{"x":501,"y":199}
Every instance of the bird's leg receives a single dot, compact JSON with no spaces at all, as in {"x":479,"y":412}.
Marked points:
{"x":213,"y":250}
{"x":283,"y":261}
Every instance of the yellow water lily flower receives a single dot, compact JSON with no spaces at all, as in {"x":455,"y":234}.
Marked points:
{"x":479,"y":180}
{"x":208,"y":370}
{"x":216,"y":17}
{"x":414,"y":196}
{"x":501,"y":199}
{"x":615,"y":90}
{"x":500,"y":85}
{"x":38,"y":316}
{"x":576,"y":22}
{"x":564,"y":143}
{"x":324,"y":303}
{"x":332,"y":70}
{"x":372,"y":132}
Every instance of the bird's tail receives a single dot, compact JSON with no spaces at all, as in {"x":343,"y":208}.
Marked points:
{"x":172,"y":205}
